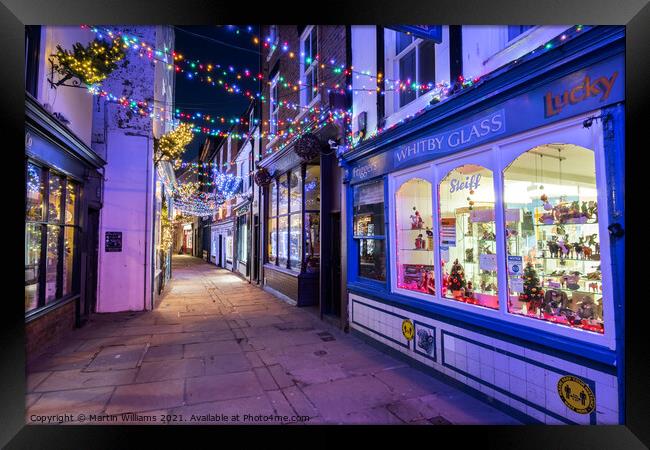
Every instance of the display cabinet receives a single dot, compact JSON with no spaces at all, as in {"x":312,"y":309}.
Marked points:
{"x":414,"y":233}
{"x":554,"y":268}
{"x":468,"y":246}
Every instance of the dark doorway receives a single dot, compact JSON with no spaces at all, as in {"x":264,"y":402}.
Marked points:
{"x":256,"y":250}
{"x":88,"y":301}
{"x":220,"y":257}
{"x":333,"y":299}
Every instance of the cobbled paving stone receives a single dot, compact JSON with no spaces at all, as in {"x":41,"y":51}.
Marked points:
{"x":218,"y":350}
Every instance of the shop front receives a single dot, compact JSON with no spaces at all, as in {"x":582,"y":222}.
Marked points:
{"x":223,"y":243}
{"x":188,"y":239}
{"x":486,"y":236}
{"x":63,"y":200}
{"x":292,"y":228}
{"x":243,"y":239}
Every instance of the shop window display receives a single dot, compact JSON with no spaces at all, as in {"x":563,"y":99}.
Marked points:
{"x":312,"y":188}
{"x":56,"y":192}
{"x":68,"y":259}
{"x":414,"y":236}
{"x":272,"y":237}
{"x":50,"y":229}
{"x":369,"y":229}
{"x":312,"y":240}
{"x":554,"y":271}
{"x":35,"y":193}
{"x":283,"y":239}
{"x":468,"y":254}
{"x":32,"y":265}
{"x":52,"y":262}
{"x":295,"y":238}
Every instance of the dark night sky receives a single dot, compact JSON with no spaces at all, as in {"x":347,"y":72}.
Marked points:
{"x":193,"y":95}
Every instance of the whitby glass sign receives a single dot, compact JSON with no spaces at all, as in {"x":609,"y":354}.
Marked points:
{"x":467,"y":135}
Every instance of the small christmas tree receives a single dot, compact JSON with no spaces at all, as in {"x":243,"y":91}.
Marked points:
{"x":533,"y":293}
{"x":456,"y":277}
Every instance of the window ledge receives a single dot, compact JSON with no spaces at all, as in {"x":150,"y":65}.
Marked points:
{"x":270,"y":266}
{"x":305,"y":108}
{"x":44,"y":310}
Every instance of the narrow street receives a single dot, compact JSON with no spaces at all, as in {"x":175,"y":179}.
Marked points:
{"x":218,"y":346}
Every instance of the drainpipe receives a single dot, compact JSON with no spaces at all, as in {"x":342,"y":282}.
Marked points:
{"x":146,"y":226}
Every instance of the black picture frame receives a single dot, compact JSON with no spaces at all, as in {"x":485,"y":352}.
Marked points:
{"x":634,"y":14}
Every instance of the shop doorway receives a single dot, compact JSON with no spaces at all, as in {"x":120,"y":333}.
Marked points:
{"x":332,"y":299}
{"x":88,"y":301}
{"x":256,"y":250}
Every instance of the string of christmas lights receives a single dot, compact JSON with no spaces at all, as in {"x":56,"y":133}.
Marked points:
{"x":442,"y":91}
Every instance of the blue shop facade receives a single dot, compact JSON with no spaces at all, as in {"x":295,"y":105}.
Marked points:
{"x":485,"y":236}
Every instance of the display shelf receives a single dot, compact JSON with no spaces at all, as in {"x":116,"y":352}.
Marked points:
{"x":571,"y":259}
{"x":565,"y":223}
{"x":415,"y":250}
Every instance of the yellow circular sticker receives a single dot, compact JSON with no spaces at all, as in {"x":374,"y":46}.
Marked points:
{"x":407,"y":329}
{"x":576,"y":394}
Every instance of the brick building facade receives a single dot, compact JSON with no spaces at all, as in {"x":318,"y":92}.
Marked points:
{"x":301,"y":240}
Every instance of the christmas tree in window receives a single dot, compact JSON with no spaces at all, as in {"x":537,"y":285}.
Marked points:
{"x":456,"y":279}
{"x":533,"y":293}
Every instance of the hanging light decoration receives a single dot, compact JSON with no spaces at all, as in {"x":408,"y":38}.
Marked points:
{"x":227,"y":186}
{"x":262,"y":177}
{"x":308,"y":146}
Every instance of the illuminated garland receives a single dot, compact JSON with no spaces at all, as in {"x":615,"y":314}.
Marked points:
{"x":166,"y":229}
{"x":172,"y":145}
{"x":91,"y":64}
{"x":228,"y":185}
{"x":34,"y":180}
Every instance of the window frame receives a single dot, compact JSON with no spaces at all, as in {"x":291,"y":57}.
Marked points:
{"x":310,"y":33}
{"x":43,"y":304}
{"x":383,"y":238}
{"x":395,"y":59}
{"x":274,"y":108}
{"x":395,"y":182}
{"x":297,"y":268}
{"x":497,"y":156}
{"x":275,"y":39}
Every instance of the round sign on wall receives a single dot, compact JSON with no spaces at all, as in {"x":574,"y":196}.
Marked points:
{"x":576,"y":394}
{"x":407,"y":329}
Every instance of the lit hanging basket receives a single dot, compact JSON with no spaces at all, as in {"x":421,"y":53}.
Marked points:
{"x":308,"y":146}
{"x":262,"y":177}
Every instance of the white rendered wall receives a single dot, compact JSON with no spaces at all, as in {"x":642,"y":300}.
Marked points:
{"x":124,"y":277}
{"x":74,"y":103}
{"x":486,"y":47}
{"x":364,"y":59}
{"x":126,"y":140}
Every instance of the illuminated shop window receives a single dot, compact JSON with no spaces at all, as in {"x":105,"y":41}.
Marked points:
{"x":414,"y":236}
{"x":369,"y":229}
{"x":271,"y":229}
{"x":32,"y":265}
{"x":283,"y":240}
{"x":553,"y":242}
{"x":35,"y":193}
{"x":468,"y":251}
{"x":312,"y":217}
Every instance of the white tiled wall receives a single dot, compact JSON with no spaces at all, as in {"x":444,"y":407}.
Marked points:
{"x":522,"y":373}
